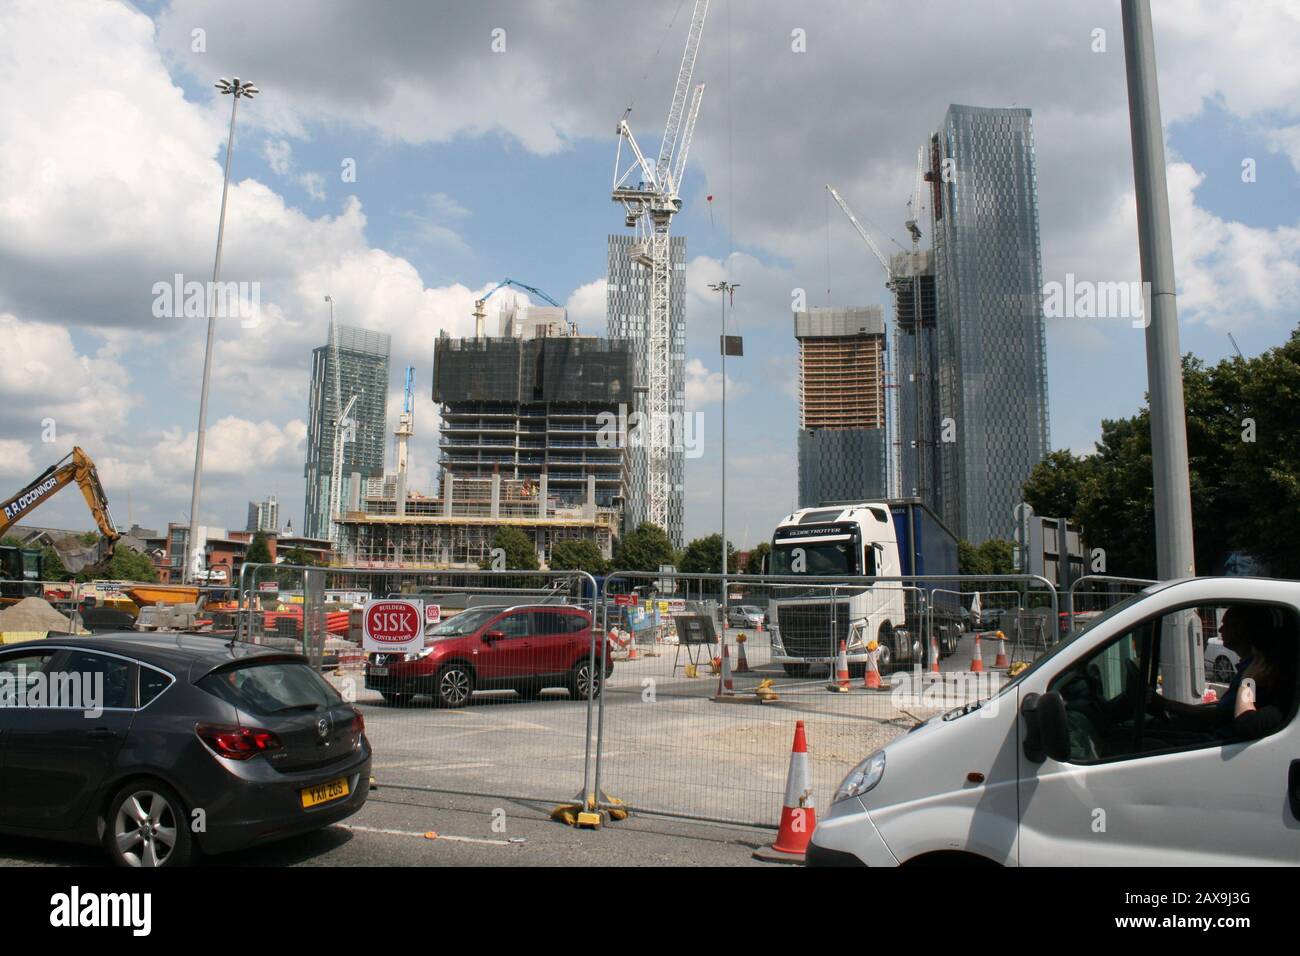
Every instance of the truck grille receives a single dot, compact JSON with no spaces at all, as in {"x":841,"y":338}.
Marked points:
{"x":806,"y":628}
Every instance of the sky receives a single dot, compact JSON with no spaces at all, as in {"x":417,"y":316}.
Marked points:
{"x":404,"y":157}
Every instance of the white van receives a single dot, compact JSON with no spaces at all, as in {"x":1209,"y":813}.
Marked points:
{"x":1067,"y":765}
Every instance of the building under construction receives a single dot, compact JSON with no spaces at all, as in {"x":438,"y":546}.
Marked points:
{"x":530,"y":439}
{"x":842,"y":436}
{"x":916,"y":358}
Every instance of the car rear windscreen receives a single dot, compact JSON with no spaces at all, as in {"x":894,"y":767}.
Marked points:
{"x":270,"y":689}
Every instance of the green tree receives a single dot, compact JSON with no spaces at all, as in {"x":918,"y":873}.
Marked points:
{"x":127,"y":564}
{"x":997,"y":556}
{"x":520,"y":553}
{"x":12,"y":541}
{"x":1054,"y":485}
{"x":756,"y":555}
{"x":1243,"y":419}
{"x":969,"y":559}
{"x":704,"y":556}
{"x":577,"y":554}
{"x":52,"y":566}
{"x":259,"y":552}
{"x":644,"y":549}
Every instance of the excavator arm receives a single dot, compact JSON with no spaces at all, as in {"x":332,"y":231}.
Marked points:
{"x":77,"y":467}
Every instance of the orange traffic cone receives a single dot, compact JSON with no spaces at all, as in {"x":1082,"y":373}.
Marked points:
{"x":841,"y":682}
{"x":934,"y":654}
{"x":725,"y":687}
{"x":798,"y":812}
{"x":977,"y":657}
{"x":1001,"y":660}
{"x":871,"y":680}
{"x":631,"y":646}
{"x":742,"y":662}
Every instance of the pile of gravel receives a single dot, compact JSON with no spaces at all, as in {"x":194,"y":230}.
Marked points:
{"x":33,"y":614}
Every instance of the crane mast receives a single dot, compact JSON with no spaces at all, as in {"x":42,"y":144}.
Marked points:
{"x":649,"y":196}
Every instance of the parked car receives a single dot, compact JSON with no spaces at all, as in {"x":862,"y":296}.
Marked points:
{"x":526,"y":648}
{"x":1220,"y":663}
{"x":1076,"y":761}
{"x":745,"y":615}
{"x":252,"y":738}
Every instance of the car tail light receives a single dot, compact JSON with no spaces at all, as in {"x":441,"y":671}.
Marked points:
{"x":237,"y":743}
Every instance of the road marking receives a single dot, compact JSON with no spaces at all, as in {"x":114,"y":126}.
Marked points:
{"x":427,"y":835}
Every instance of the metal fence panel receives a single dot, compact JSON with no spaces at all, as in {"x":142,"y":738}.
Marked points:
{"x":517,"y":642}
{"x":670,"y":742}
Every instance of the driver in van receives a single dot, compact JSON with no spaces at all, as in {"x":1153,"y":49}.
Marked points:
{"x":1267,"y":658}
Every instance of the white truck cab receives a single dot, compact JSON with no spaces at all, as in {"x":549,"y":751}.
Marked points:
{"x":1078,"y":761}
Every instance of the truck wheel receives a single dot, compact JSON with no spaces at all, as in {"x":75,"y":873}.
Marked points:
{"x":888,"y":645}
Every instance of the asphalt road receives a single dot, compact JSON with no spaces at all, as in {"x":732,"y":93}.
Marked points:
{"x":391,"y":831}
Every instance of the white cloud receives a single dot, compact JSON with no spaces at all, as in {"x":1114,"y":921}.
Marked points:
{"x":587,"y":307}
{"x":704,"y":387}
{"x":16,"y":462}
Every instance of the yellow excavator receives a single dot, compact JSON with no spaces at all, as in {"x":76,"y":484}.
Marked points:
{"x":77,"y":467}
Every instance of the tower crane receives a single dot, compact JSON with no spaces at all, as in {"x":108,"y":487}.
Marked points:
{"x":896,"y":280}
{"x":480,"y":315}
{"x":649,"y":193}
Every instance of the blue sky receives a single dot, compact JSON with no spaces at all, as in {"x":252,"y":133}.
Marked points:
{"x":473,"y":166}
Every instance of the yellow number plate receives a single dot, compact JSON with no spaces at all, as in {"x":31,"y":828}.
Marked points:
{"x":324,"y":793}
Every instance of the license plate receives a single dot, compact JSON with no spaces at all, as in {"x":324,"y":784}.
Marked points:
{"x":324,"y":793}
{"x":379,"y":671}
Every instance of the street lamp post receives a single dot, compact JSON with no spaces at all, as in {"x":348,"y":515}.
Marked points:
{"x":235,"y":89}
{"x":728,"y":290}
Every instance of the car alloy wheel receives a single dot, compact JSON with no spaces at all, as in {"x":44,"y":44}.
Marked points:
{"x":455,"y":685}
{"x":581,"y":683}
{"x":145,"y":829}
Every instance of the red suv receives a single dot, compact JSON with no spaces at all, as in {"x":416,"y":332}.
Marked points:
{"x":526,"y":649}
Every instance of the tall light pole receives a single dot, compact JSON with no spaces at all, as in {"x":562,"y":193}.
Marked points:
{"x":728,"y":290}
{"x":234,"y":89}
{"x":1171,"y":480}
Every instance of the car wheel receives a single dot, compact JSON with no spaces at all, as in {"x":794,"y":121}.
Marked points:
{"x":797,"y":670}
{"x":1223,"y":669}
{"x":580,"y":682}
{"x":453,"y":686}
{"x":147,"y":827}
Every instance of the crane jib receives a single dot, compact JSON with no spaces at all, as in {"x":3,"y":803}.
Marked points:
{"x":28,"y":498}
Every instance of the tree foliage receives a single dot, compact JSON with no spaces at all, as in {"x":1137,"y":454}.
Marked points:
{"x":259,"y":552}
{"x":644,"y":549}
{"x":756,"y":555}
{"x":520,"y":553}
{"x":577,"y":554}
{"x":127,"y":564}
{"x":1243,"y":443}
{"x":992,"y":557}
{"x":704,"y":556}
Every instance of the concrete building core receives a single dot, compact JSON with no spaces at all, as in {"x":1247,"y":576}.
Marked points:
{"x":842,"y":436}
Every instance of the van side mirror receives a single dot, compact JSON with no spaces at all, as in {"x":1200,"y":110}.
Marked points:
{"x":1048,"y":730}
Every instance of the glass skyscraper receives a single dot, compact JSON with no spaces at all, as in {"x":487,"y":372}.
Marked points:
{"x":627,"y":308}
{"x":992,"y":367}
{"x":362,"y":371}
